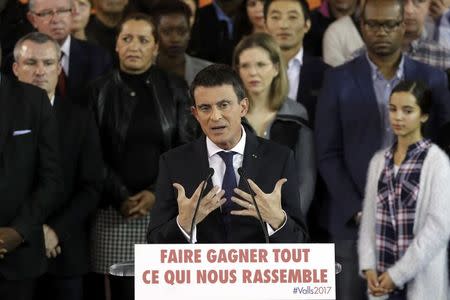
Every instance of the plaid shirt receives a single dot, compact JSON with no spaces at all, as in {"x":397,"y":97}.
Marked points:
{"x":430,"y":53}
{"x":396,"y":204}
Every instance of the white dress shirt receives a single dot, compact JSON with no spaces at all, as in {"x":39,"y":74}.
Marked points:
{"x":65,"y":51}
{"x":293,"y":72}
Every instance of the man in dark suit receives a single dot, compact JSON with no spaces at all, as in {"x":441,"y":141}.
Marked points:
{"x":226,"y":212}
{"x":66,"y":229}
{"x":30,"y":184}
{"x":288,"y":21}
{"x":82,"y":62}
{"x":352,"y":124}
{"x":212,"y":33}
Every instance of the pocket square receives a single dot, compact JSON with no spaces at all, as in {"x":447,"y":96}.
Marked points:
{"x":21,"y":132}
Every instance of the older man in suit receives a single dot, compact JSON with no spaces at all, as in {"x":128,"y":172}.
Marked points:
{"x":81,"y":61}
{"x":226,"y":213}
{"x":66,"y":230}
{"x":352,"y":124}
{"x":30,"y":184}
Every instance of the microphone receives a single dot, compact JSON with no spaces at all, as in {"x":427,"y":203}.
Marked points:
{"x":261,"y":222}
{"x":202,"y":193}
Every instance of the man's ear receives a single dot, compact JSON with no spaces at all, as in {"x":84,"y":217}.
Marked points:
{"x":15,"y":68}
{"x":244,"y":103}
{"x":31,"y":19}
{"x":194,"y":112}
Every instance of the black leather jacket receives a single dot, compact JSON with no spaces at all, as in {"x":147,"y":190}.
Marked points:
{"x":170,"y":95}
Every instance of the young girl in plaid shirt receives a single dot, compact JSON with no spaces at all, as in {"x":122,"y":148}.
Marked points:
{"x":405,"y":225}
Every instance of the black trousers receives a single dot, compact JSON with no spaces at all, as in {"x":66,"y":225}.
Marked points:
{"x":16,"y":289}
{"x":51,"y":287}
{"x":349,"y":285}
{"x":107,"y":287}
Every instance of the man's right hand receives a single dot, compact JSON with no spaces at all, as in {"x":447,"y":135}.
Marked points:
{"x":186,"y":206}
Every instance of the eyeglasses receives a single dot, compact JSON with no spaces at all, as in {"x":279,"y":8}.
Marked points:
{"x":388,"y":26}
{"x":50,"y":13}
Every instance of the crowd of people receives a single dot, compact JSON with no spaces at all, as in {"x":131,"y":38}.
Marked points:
{"x":171,"y":121}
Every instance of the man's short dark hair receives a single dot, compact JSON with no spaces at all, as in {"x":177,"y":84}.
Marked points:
{"x":170,"y":7}
{"x":399,"y":2}
{"x":303,"y":4}
{"x":138,"y":17}
{"x":218,"y":75}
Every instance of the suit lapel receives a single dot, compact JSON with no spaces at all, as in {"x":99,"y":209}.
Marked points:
{"x":75,"y":72}
{"x":305,"y":80}
{"x":250,"y":164}
{"x":410,"y":69}
{"x":6,"y":109}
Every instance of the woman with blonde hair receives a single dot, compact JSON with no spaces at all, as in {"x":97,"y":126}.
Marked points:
{"x":272,"y":115}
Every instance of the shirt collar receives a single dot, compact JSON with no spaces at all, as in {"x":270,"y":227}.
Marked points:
{"x":297,"y":59}
{"x":376,"y":74}
{"x":220,"y":14}
{"x":65,"y":47}
{"x":416,"y":43}
{"x":239,"y":148}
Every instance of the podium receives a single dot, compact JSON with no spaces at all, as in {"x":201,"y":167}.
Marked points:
{"x":232,"y":271}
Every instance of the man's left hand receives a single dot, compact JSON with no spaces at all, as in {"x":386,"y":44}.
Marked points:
{"x":269,"y":204}
{"x":10,"y":239}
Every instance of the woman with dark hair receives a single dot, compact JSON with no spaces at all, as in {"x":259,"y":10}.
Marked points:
{"x":405,"y":226}
{"x":141,"y":112}
{"x":257,"y":59}
{"x":249,"y":19}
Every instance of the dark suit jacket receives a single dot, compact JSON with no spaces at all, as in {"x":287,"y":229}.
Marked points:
{"x":30,"y":174}
{"x":82,"y":170}
{"x":210,"y":39}
{"x":311,"y":78}
{"x":86,"y":63}
{"x":348,"y":132}
{"x":264,"y":162}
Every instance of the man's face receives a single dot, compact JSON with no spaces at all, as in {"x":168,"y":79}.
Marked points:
{"x":416,"y":12}
{"x":219,"y":112}
{"x":110,"y":6}
{"x":38,"y":64}
{"x":286,"y":23}
{"x":173,"y":33}
{"x":52,"y":17}
{"x":136,"y":46}
{"x":382,"y":27}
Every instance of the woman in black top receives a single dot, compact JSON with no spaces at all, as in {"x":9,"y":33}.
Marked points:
{"x":142,"y":112}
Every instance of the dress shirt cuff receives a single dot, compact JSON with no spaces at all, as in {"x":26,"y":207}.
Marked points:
{"x":270,"y":230}
{"x":186,"y":235}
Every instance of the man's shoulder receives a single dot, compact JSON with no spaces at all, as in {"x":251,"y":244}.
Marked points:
{"x":20,"y":90}
{"x":411,"y":63}
{"x":182,"y":152}
{"x":87,"y":48}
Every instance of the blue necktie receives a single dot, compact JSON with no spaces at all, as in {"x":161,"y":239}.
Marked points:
{"x":229,"y":179}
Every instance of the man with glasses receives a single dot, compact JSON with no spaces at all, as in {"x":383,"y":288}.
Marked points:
{"x":81,"y":62}
{"x":352,"y":124}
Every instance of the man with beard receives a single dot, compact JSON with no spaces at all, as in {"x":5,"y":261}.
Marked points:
{"x":352,"y":124}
